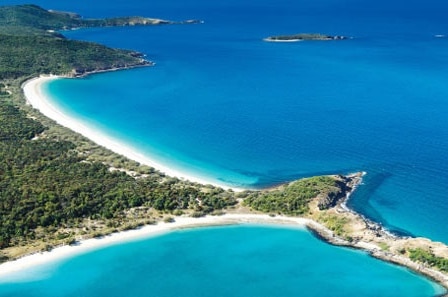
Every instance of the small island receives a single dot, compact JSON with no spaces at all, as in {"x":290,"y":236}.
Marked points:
{"x":304,"y":37}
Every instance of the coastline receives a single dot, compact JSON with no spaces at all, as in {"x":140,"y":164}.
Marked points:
{"x":34,"y":95}
{"x":12,"y":269}
{"x":372,"y":248}
{"x":372,"y":233}
{"x":366,"y":236}
{"x":362,"y":243}
{"x":369,"y":236}
{"x":146,"y":232}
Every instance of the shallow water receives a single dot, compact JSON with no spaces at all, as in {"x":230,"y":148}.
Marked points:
{"x":223,"y":261}
{"x":225,"y":105}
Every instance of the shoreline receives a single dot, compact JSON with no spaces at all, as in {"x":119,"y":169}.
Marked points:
{"x":368,"y":242}
{"x":10,"y":268}
{"x":34,"y":95}
{"x":36,"y":98}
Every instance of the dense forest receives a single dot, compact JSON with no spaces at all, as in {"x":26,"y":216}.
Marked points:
{"x":45,"y":183}
{"x":50,"y":188}
{"x":27,"y":55}
{"x":24,"y":19}
{"x":30,"y":44}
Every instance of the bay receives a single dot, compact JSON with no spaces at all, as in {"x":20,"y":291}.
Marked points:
{"x":224,"y":105}
{"x":222,"y":261}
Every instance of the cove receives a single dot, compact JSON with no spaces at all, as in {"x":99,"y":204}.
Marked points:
{"x":246,"y":260}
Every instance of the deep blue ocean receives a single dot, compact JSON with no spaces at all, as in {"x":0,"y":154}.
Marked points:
{"x":223,"y":104}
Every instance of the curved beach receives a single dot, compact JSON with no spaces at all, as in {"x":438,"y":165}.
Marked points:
{"x":12,"y":270}
{"x":83,"y":246}
{"x":39,"y":100}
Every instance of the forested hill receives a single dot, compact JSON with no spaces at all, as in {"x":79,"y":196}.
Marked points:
{"x":22,"y":56}
{"x":35,"y":18}
{"x":31,"y":43}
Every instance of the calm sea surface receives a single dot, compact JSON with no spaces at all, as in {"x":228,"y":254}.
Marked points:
{"x":224,"y":105}
{"x":225,"y":261}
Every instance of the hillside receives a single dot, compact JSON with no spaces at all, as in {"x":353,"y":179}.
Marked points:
{"x":31,"y":43}
{"x":14,"y":19}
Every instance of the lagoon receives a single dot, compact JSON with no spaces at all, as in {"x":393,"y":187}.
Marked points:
{"x":244,"y":260}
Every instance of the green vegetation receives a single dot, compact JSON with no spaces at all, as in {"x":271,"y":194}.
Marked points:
{"x":46,"y":183}
{"x":54,"y":185}
{"x":334,"y":223}
{"x":292,"y":199}
{"x":26,"y":19}
{"x":16,"y":127}
{"x":29,"y":44}
{"x":3,"y":90}
{"x":384,"y":246}
{"x":304,"y":36}
{"x":428,"y":258}
{"x":169,"y":220}
{"x":31,"y":55}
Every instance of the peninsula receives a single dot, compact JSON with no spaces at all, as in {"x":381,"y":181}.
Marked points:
{"x":303,"y":37}
{"x":59,"y":188}
{"x":32,"y":18}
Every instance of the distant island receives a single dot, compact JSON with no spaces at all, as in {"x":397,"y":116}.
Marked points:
{"x":59,"y":188}
{"x":304,"y":37}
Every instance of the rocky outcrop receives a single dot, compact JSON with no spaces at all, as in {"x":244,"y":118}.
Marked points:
{"x":345,"y":185}
{"x":361,"y":233}
{"x":327,"y":200}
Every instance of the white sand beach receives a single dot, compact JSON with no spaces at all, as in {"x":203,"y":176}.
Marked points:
{"x":148,"y":231}
{"x":37,"y":98}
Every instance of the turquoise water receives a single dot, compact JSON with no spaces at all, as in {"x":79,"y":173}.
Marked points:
{"x":224,"y":105}
{"x":223,"y":261}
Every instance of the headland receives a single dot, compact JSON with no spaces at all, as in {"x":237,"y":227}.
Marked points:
{"x":327,"y":217}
